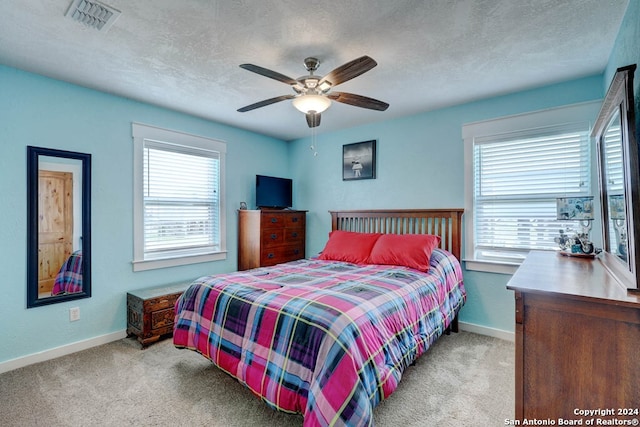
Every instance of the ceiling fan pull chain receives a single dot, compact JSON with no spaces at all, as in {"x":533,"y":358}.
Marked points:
{"x":313,"y":146}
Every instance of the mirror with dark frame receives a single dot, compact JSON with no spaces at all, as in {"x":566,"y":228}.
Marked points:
{"x":619,"y":178}
{"x":59,"y":226}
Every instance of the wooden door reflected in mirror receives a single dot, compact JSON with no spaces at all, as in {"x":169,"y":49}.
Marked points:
{"x":59,"y":203}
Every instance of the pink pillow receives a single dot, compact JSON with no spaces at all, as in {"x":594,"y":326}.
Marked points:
{"x":349,"y":246}
{"x":408,"y":250}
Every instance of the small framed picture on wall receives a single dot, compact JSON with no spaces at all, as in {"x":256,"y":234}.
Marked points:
{"x":359,"y":160}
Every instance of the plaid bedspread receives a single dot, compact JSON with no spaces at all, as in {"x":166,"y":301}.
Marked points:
{"x":326,"y":339}
{"x":69,"y":278}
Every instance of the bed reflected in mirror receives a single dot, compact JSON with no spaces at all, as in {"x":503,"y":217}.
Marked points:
{"x":59,"y":255}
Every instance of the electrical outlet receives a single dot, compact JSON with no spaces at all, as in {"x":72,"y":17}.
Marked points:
{"x":74,"y":314}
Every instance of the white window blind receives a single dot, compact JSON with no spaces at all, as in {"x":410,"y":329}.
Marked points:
{"x":612,"y":145}
{"x":181,"y":200}
{"x":517,"y":178}
{"x":178,"y":198}
{"x":613,"y":157}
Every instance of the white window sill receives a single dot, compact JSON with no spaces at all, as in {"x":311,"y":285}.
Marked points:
{"x":143,"y":265}
{"x":491,"y":266}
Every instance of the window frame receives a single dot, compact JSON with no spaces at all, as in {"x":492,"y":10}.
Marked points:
{"x":516,"y":125}
{"x":140,"y":133}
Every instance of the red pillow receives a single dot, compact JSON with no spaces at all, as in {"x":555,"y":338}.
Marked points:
{"x":349,"y":246}
{"x":408,"y":250}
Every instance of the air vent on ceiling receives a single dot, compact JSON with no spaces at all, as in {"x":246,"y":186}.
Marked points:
{"x":93,"y":14}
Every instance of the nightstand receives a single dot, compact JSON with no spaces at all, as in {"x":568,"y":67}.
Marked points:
{"x":150,"y":312}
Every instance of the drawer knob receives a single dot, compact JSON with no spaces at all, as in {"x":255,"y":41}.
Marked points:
{"x":296,"y":252}
{"x":294,"y":219}
{"x":274,"y":236}
{"x":294,"y":234}
{"x":274,"y":220}
{"x":270,"y":256}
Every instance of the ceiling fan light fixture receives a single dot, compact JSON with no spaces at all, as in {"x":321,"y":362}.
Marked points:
{"x":308,"y":103}
{"x":324,"y":86}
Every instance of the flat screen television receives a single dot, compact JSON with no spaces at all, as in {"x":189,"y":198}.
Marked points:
{"x":273,"y":192}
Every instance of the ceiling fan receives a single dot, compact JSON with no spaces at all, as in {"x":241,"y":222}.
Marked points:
{"x":313,"y":94}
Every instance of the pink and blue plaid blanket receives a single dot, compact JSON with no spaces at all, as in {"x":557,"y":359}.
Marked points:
{"x":326,"y":339}
{"x":69,"y":278}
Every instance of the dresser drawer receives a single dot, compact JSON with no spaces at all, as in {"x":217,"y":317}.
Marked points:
{"x":276,"y":237}
{"x":162,"y":302}
{"x":162,"y":318}
{"x":281,"y":254}
{"x":294,"y":235}
{"x":272,"y":237}
{"x":282,"y":219}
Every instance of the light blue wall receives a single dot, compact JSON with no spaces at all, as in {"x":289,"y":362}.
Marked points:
{"x":420,"y":165}
{"x":43,"y":112}
{"x":626,"y":51}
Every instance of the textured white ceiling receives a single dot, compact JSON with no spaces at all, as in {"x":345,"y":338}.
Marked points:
{"x":184,"y":54}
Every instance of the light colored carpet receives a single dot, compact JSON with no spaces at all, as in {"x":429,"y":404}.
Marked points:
{"x":465,"y":379}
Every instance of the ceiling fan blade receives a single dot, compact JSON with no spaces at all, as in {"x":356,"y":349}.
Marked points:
{"x":265,"y":103}
{"x":349,"y":70}
{"x":271,"y":74}
{"x":358,"y":100}
{"x":313,"y":119}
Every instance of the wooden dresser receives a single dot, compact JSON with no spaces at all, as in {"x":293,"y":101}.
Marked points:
{"x":269,"y":237}
{"x":150,"y":312}
{"x":577,"y":339}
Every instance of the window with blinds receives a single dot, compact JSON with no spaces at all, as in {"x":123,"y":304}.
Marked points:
{"x":181,"y":204}
{"x":515,"y":168}
{"x":178,"y":198}
{"x":612,"y":155}
{"x":516,"y":180}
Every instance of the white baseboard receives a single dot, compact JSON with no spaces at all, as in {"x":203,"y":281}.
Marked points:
{"x":484,"y":330}
{"x":60,"y":351}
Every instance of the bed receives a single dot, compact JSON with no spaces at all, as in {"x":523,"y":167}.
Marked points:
{"x":326,"y":337}
{"x":69,"y":277}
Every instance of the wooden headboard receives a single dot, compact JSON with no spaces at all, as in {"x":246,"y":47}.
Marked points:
{"x":446,"y":223}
